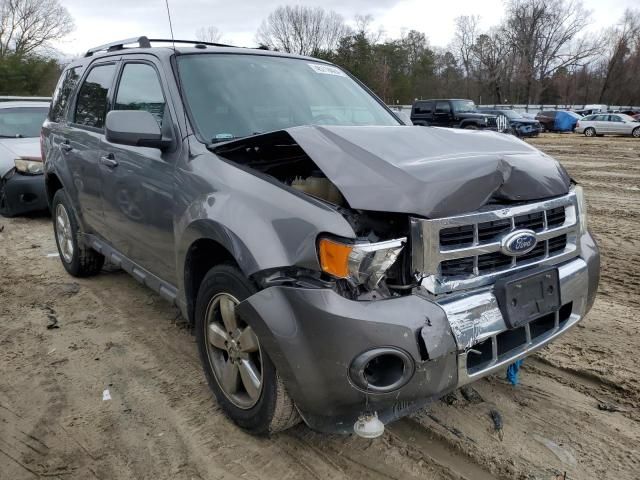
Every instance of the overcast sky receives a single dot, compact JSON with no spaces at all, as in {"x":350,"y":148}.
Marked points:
{"x":99,"y":22}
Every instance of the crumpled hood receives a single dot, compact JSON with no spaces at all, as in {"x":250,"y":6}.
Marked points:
{"x":12,"y":148}
{"x":433,"y":172}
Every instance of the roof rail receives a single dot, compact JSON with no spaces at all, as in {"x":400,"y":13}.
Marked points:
{"x":194,"y":42}
{"x":143,"y":42}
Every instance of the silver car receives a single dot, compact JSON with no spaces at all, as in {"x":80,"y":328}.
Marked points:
{"x":22,"y":188}
{"x":609,"y":124}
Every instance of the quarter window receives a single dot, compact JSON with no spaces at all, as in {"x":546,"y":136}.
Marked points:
{"x":91,"y":106}
{"x":426,"y":107}
{"x":140,"y":89}
{"x":63,"y":92}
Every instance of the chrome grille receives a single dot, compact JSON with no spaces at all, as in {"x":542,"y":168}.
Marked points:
{"x":461,"y":252}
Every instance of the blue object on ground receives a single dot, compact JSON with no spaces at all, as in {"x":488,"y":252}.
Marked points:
{"x":512,"y":372}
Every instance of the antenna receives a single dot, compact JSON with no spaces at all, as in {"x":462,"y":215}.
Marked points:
{"x":175,"y":53}
{"x":166,"y":2}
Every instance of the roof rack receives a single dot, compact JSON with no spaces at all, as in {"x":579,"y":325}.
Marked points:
{"x":194,"y":42}
{"x":144,"y":42}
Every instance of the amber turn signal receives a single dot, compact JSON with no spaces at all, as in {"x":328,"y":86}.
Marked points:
{"x":334,"y":257}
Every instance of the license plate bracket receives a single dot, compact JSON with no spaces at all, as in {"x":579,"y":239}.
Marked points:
{"x":525,"y":296}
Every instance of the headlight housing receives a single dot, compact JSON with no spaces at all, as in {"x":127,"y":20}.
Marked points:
{"x":29,"y":166}
{"x":361,"y":263}
{"x":582,"y":208}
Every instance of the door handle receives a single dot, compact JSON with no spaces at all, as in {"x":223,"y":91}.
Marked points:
{"x":109,"y":161}
{"x":66,"y":147}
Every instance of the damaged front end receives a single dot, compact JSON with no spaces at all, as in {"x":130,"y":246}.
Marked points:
{"x":407,"y":309}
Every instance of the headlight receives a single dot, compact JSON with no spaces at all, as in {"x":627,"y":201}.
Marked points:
{"x":362,"y":263}
{"x":582,"y":208}
{"x":29,"y":166}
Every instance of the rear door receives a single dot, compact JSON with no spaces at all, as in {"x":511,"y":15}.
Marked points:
{"x":83,"y":143}
{"x":442,"y":114}
{"x":617,"y":125}
{"x":138,"y":182}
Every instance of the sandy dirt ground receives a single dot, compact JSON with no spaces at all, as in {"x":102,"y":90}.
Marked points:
{"x":576,"y":411}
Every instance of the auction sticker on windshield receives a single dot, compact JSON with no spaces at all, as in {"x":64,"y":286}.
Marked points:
{"x":327,"y":69}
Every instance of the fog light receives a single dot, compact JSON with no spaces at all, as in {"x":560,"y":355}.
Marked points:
{"x":381,"y":370}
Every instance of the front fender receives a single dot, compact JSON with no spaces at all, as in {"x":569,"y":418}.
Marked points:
{"x":262,"y":224}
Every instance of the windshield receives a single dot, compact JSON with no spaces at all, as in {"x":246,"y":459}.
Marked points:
{"x":21,"y":122}
{"x":464,"y":106}
{"x":510,"y":114}
{"x":232,"y":96}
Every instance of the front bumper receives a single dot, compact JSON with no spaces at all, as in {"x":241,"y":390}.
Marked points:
{"x":313,"y":336}
{"x":20,"y":194}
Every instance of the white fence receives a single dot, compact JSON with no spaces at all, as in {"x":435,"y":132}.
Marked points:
{"x":537,"y":108}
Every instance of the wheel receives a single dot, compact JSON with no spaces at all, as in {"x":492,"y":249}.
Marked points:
{"x":590,"y":132}
{"x":636,"y":132}
{"x":238,"y":370}
{"x":470,"y":127}
{"x":77,"y":259}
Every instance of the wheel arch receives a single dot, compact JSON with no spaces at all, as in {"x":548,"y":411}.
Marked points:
{"x":207,"y":244}
{"x":52,"y":185}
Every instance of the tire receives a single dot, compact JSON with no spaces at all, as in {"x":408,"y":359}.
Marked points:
{"x":269,"y":409}
{"x":636,"y":132}
{"x":77,"y":259}
{"x":590,"y":132}
{"x":470,"y":126}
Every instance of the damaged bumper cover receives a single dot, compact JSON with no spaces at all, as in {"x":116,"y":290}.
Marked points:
{"x":20,"y":194}
{"x":314,"y":336}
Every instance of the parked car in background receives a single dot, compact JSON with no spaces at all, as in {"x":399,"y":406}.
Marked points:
{"x":591,"y":109}
{"x":558,"y":120}
{"x":21,"y":181}
{"x":547,"y":119}
{"x":608,"y":124}
{"x":518,"y":124}
{"x":453,"y":113}
{"x":636,"y":117}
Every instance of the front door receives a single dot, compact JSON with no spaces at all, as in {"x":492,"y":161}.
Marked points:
{"x":137,"y":182}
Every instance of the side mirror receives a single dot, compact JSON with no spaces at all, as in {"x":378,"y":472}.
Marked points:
{"x":138,"y":128}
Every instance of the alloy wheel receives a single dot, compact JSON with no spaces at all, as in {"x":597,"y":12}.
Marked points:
{"x":63,"y":233}
{"x":234,"y":352}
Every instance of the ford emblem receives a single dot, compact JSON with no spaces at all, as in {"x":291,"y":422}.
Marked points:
{"x":519,"y":242}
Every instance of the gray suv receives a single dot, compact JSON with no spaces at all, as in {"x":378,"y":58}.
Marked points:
{"x":337,"y":266}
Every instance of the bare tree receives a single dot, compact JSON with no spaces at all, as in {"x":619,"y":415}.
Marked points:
{"x":28,"y":25}
{"x":302,"y":30}
{"x":491,"y":51}
{"x":623,"y":40}
{"x":363,"y":28}
{"x":463,"y":43}
{"x":547,"y":36}
{"x":209,"y":34}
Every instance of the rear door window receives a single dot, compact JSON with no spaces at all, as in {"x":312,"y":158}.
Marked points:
{"x":91,"y":105}
{"x":443,"y":107}
{"x":140,"y":89}
{"x":65,"y":88}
